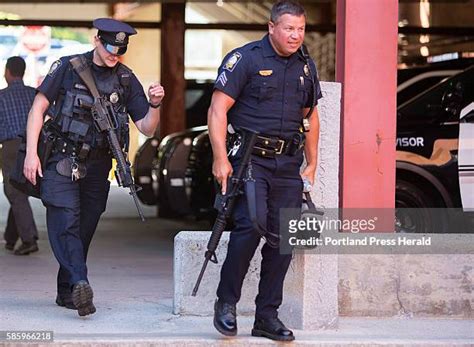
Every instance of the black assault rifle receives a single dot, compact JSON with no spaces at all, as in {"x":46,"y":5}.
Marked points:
{"x":225,"y":203}
{"x":103,"y":114}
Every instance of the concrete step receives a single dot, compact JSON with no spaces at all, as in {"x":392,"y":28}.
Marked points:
{"x":173,"y":330}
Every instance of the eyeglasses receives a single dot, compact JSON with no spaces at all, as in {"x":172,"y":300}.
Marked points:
{"x":113,"y":49}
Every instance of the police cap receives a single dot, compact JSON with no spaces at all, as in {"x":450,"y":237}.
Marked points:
{"x":114,"y":34}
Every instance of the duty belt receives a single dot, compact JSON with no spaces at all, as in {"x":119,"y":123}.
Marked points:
{"x":81,"y":151}
{"x":268,"y":146}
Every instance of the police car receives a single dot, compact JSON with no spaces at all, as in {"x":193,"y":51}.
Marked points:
{"x":435,"y":156}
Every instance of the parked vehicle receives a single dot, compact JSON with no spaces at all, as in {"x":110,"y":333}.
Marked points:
{"x":435,"y":157}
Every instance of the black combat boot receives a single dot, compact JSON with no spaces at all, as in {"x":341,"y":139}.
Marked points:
{"x":82,"y":298}
{"x":65,"y":301}
{"x":225,"y":318}
{"x":272,"y":328}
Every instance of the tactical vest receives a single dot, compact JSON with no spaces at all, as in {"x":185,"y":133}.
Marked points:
{"x":72,"y":110}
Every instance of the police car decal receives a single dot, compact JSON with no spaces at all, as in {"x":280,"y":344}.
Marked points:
{"x":441,"y":154}
{"x":410,"y":141}
{"x":54,"y":67}
{"x":232,"y":61}
{"x":222,"y":79}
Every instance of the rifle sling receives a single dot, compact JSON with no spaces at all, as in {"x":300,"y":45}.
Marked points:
{"x":83,"y":69}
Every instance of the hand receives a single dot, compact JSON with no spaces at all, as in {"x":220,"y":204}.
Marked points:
{"x":308,"y":173}
{"x":156,"y":93}
{"x":32,"y":166}
{"x":222,"y":169}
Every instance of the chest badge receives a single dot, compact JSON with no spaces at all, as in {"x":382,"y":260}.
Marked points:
{"x":114,"y":98}
{"x":306,"y":70}
{"x":265,"y":72}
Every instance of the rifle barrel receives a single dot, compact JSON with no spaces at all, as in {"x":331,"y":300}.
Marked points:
{"x":198,"y":282}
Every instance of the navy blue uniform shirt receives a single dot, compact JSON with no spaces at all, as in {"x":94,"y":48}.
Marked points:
{"x":15,"y":104}
{"x":269,"y":91}
{"x":137,"y":103}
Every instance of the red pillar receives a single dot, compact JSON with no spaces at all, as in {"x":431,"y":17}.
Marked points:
{"x":366,"y":65}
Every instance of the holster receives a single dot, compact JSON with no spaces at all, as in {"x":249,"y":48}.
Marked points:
{"x":17,"y":178}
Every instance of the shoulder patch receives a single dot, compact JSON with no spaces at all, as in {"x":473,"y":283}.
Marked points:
{"x":222,"y":79}
{"x":232,"y":62}
{"x":54,"y":67}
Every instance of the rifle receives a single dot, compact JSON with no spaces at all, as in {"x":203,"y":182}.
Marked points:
{"x":103,"y":114}
{"x":225,"y":203}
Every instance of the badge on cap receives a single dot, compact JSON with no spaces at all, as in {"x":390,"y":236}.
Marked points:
{"x":265,"y":72}
{"x":306,"y":70}
{"x":120,"y":37}
{"x":232,"y":61}
{"x":54,"y":67}
{"x":114,"y":98}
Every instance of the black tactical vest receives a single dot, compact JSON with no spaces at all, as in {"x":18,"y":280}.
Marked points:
{"x":72,"y":111}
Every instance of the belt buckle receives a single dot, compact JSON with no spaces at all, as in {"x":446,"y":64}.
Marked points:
{"x":281,"y":146}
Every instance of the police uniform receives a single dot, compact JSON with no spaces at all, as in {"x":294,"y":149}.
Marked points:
{"x":75,"y":206}
{"x":270,"y":92}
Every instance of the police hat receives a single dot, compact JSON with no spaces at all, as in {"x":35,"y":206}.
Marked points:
{"x":114,"y":34}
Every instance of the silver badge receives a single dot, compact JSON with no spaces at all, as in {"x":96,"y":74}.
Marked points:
{"x":114,"y":98}
{"x":306,"y":70}
{"x":120,"y":37}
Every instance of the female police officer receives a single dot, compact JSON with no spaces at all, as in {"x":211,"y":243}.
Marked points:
{"x":75,"y":201}
{"x":266,"y":86}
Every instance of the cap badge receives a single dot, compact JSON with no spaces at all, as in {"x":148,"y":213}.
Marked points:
{"x":120,"y":37}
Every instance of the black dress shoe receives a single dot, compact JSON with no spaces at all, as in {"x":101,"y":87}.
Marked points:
{"x":82,"y":298}
{"x":272,"y":328}
{"x":225,"y":318}
{"x":26,"y":248}
{"x":65,"y":301}
{"x":9,"y":246}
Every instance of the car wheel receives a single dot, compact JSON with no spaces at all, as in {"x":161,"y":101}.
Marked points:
{"x":416,"y":212}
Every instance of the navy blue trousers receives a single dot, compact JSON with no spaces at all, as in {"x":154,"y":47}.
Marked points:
{"x":278,"y":185}
{"x":73,"y":212}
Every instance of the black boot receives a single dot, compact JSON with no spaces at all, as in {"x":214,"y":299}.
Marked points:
{"x":225,"y":318}
{"x":82,"y":298}
{"x":272,"y":328}
{"x":65,"y":301}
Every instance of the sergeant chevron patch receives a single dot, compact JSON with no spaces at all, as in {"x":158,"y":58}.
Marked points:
{"x":222,"y":79}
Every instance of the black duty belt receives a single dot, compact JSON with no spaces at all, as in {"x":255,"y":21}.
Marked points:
{"x":269,"y":147}
{"x":82,"y":151}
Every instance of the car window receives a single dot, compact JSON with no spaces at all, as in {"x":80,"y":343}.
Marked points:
{"x":443,"y":101}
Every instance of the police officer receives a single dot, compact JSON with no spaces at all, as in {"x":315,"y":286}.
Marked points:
{"x":268,"y":86}
{"x":76,"y":201}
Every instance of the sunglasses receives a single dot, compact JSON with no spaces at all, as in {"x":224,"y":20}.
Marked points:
{"x":113,"y":49}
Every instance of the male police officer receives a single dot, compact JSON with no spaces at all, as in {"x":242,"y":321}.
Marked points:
{"x":266,"y":86}
{"x":75,"y":202}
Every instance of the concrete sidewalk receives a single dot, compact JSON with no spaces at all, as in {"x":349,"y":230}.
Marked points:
{"x":130,"y":269}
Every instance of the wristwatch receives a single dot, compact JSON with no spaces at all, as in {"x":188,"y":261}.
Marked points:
{"x":154,"y":106}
